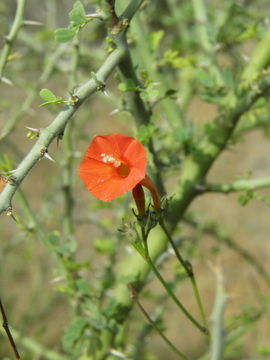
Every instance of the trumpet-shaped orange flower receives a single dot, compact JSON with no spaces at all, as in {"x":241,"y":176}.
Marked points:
{"x":3,"y":182}
{"x":113,"y":164}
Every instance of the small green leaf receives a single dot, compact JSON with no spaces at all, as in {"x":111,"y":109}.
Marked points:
{"x":83,"y":287}
{"x":139,"y":247}
{"x":155,"y":39}
{"x":64,"y":35}
{"x":250,"y":32}
{"x":54,"y":238}
{"x":244,"y":199}
{"x":104,"y":246}
{"x":47,"y":95}
{"x":77,"y":14}
{"x":228,"y":77}
{"x":146,"y":132}
{"x":79,"y":7}
{"x":74,"y":332}
{"x":129,"y":85}
{"x":6,"y":163}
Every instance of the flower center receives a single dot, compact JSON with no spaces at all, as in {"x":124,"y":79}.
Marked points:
{"x":122,"y":167}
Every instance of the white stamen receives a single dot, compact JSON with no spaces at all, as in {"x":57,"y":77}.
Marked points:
{"x":110,"y":159}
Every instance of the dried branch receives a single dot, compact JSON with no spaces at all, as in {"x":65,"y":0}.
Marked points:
{"x":8,"y":332}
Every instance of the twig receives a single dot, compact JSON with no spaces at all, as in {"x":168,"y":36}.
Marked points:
{"x":36,"y":349}
{"x":240,"y":185}
{"x":220,"y":237}
{"x":10,"y":38}
{"x":8,"y":332}
{"x":218,"y":333}
{"x":168,"y":342}
{"x":245,"y":126}
{"x":68,"y":225}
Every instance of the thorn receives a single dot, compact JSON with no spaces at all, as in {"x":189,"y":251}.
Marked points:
{"x":32,"y":22}
{"x":105,"y":92}
{"x":118,"y":354}
{"x":6,"y":81}
{"x":8,"y":172}
{"x":246,"y":58}
{"x":100,"y":84}
{"x":116,"y":111}
{"x":32,"y":129}
{"x":44,"y":152}
{"x":95,"y":16}
{"x":46,"y":155}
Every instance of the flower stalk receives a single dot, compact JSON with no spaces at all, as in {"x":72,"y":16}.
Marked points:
{"x":189,"y":271}
{"x":165,"y":285}
{"x":134,"y":296}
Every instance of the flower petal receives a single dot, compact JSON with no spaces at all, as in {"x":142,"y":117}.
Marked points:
{"x":93,"y":172}
{"x":135,"y":152}
{"x":102,"y":178}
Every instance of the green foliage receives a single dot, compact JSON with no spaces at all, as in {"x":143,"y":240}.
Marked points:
{"x":244,"y":199}
{"x":77,"y":21}
{"x":146,"y":132}
{"x":64,"y":35}
{"x":6,"y":163}
{"x":250,"y":32}
{"x":74,"y":332}
{"x":83,"y":287}
{"x":173,"y":58}
{"x":77,"y":15}
{"x":129,"y":85}
{"x":155,"y":39}
{"x":49,"y":97}
{"x":104,"y":246}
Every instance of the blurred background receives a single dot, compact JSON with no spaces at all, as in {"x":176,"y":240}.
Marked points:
{"x":218,"y":233}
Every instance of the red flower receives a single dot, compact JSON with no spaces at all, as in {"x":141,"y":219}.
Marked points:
{"x":113,"y":164}
{"x":3,"y":182}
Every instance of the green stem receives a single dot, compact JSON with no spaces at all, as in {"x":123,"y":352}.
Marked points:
{"x":67,"y":170}
{"x":10,"y":38}
{"x":131,"y":9}
{"x":189,"y":270}
{"x":240,"y":185}
{"x":260,"y":59}
{"x":168,"y":342}
{"x":218,"y":337}
{"x":167,"y":288}
{"x":201,"y":18}
{"x":246,"y":126}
